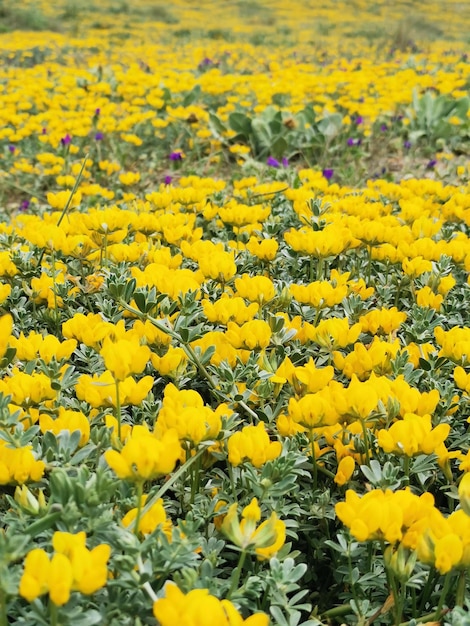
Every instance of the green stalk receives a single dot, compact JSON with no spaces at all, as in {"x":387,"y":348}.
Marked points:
{"x":429,"y":617}
{"x":54,"y":287}
{"x":442,"y":597}
{"x":195,"y":479}
{"x":369,"y":263}
{"x":406,"y":469}
{"x":337,"y":611}
{"x":3,"y":608}
{"x":140,"y":491}
{"x":236,"y":574}
{"x":401,"y":602}
{"x":424,"y":596}
{"x":118,"y":408}
{"x":189,"y":353}
{"x":147,"y":586}
{"x":169,"y":483}
{"x":461,"y":584}
{"x":396,"y":599}
{"x":232,"y":480}
{"x":314,"y":462}
{"x":366,"y":441}
{"x":69,"y":201}
{"x":353,"y":586}
{"x":53,"y":614}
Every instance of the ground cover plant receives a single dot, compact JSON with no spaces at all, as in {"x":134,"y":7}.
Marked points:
{"x":234,"y":326}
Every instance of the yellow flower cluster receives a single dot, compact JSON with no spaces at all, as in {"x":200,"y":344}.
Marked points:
{"x":264,"y":539}
{"x":184,"y":413}
{"x":72,"y":567}
{"x":199,"y":607}
{"x":145,"y":456}
{"x":402,"y":517}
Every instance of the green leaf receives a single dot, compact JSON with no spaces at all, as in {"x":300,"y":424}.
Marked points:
{"x":240,"y":123}
{"x":192,"y":96}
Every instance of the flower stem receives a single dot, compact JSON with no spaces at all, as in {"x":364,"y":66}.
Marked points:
{"x":236,"y":574}
{"x":169,"y":483}
{"x":69,"y":201}
{"x":3,"y":608}
{"x":53,"y":614}
{"x":195,"y":479}
{"x":406,"y":468}
{"x":461,"y":584}
{"x":442,"y":597}
{"x":140,"y":490}
{"x":118,"y":408}
{"x":365,"y":434}
{"x":189,"y":353}
{"x":314,"y":461}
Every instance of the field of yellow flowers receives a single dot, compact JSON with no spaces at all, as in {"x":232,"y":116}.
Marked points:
{"x":235,"y":322}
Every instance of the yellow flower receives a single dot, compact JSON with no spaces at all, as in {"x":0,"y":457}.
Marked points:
{"x":265,"y":540}
{"x":333,"y":333}
{"x":313,"y":410}
{"x":124,"y":357}
{"x":383,"y":320}
{"x":59,"y":200}
{"x":413,"y":435}
{"x":66,"y":420}
{"x":425,"y":297}
{"x":26,"y":389}
{"x":376,"y":357}
{"x":6,"y":326}
{"x":447,"y":552}
{"x":129,"y":178}
{"x":173,"y":363}
{"x":264,"y":249}
{"x":251,"y":335}
{"x":72,"y":567}
{"x":258,"y":289}
{"x":100,"y":389}
{"x":218,"y":265}
{"x":35,"y":579}
{"x":345,"y":470}
{"x":184,"y":412}
{"x":144,"y":457}
{"x":199,"y":607}
{"x":155,"y":516}
{"x":464,"y":492}
{"x":415,"y":267}
{"x":228,"y":309}
{"x":252,"y":443}
{"x":42,"y":575}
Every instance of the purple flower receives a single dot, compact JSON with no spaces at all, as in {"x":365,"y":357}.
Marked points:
{"x":272,"y":162}
{"x":66,"y":140}
{"x":44,"y":131}
{"x":11,"y":148}
{"x":285,"y":162}
{"x":176,"y":156}
{"x":328,"y":173}
{"x":431,"y":164}
{"x":99,"y":136}
{"x":167,"y":180}
{"x":354,"y":142}
{"x":97,"y":112}
{"x":24,"y":205}
{"x":359,"y":119}
{"x":407,"y":145}
{"x":384,"y":127}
